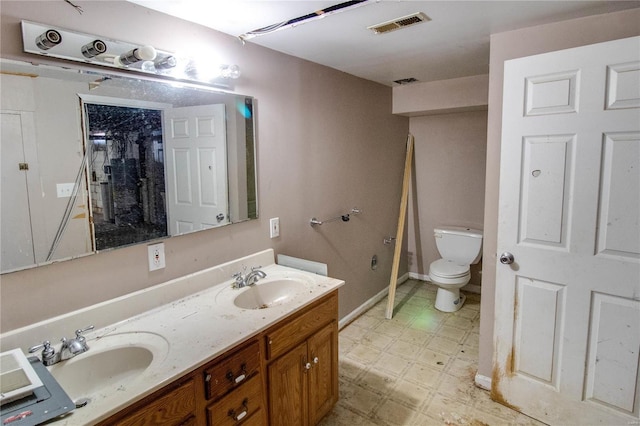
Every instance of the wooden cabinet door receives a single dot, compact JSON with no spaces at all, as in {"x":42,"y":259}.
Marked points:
{"x":288,"y":388}
{"x":323,"y":377}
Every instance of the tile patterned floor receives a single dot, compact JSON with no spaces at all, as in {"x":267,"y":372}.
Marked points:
{"x":415,"y":369}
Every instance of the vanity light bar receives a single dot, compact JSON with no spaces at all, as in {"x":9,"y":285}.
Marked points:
{"x":41,"y":39}
{"x":45,"y":40}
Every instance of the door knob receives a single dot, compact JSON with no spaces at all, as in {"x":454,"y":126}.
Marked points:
{"x":506,"y":258}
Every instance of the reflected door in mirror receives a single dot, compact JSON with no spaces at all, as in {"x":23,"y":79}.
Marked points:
{"x":18,"y":249}
{"x":196,"y":168}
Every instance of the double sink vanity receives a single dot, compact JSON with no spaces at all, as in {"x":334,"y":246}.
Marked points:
{"x":199,"y":351}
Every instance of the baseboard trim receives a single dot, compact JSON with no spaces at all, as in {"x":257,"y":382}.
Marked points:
{"x":369,"y":303}
{"x":472,"y":288}
{"x":403,"y":279}
{"x":483,"y":382}
{"x":420,"y":277}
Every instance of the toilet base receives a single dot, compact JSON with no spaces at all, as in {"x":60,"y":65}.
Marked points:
{"x":449,"y":300}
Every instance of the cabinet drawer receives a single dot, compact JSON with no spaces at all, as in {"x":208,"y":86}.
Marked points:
{"x":283,"y":338}
{"x":170,"y":409}
{"x":232,"y":371}
{"x":239,"y":405}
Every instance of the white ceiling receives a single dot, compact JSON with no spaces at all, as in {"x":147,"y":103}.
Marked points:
{"x":455,"y":43}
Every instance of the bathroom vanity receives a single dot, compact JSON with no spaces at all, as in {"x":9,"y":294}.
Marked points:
{"x":288,"y":374}
{"x":205,"y":357}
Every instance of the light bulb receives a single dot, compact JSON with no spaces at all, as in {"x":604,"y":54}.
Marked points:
{"x":230,"y":71}
{"x":144,"y":53}
{"x":148,"y":66}
{"x":166,"y":63}
{"x":93,"y":49}
{"x":48,"y":39}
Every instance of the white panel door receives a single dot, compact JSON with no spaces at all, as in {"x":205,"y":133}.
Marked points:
{"x":196,"y":166}
{"x":567,"y":330}
{"x":17,"y":240}
{"x":24,"y":238}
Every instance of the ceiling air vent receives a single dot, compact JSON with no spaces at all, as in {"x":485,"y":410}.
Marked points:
{"x":396,"y":24}
{"x":406,"y":80}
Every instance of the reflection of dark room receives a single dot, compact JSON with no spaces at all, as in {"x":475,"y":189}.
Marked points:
{"x":126,"y":163}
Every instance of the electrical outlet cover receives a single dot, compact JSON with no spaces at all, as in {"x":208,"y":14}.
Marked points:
{"x":156,"y":256}
{"x":65,"y":190}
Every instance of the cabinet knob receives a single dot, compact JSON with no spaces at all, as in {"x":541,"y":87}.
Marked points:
{"x":315,"y":360}
{"x":307,"y":366}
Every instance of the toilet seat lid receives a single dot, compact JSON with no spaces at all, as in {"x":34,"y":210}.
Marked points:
{"x":448,"y":269}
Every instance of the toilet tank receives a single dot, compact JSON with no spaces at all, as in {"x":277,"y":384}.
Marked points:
{"x":460,"y":244}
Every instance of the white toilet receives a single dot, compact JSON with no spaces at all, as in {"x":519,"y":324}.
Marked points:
{"x":459,"y":248}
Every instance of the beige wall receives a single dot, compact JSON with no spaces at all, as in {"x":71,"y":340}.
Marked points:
{"x":327,"y":142}
{"x":442,"y":96}
{"x":448,"y":184}
{"x":515,"y":44}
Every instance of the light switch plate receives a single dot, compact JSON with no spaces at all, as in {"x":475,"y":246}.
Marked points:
{"x":156,"y":256}
{"x":274,"y":227}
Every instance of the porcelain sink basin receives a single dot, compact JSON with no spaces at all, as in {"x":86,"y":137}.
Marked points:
{"x":112,"y":363}
{"x":267,"y":294}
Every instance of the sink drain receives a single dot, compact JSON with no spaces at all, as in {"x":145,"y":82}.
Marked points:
{"x":82,"y":402}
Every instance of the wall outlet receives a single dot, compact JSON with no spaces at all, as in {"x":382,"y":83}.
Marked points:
{"x":156,"y":256}
{"x":274,"y":227}
{"x":65,"y":190}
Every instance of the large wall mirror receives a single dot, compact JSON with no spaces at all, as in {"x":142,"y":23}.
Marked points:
{"x":93,"y":161}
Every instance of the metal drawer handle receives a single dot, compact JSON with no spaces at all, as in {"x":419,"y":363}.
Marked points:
{"x":242,"y":414}
{"x":240,"y":377}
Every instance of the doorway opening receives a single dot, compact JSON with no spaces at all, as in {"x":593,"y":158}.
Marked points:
{"x":126,"y":174}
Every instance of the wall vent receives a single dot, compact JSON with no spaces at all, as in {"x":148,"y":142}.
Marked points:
{"x":398,"y":23}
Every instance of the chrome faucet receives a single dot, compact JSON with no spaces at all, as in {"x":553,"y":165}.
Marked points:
{"x":69,"y":348}
{"x":250,"y":279}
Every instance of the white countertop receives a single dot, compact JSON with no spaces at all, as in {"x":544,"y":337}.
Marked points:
{"x":189,"y":332}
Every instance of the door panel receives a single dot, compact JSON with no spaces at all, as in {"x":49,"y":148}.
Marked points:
{"x":537,"y":347}
{"x":612,"y":368}
{"x":546,"y":186}
{"x":323,"y":386}
{"x":18,"y":246}
{"x":567,"y":310}
{"x":551,"y":94}
{"x":288,"y":388}
{"x":619,"y":207}
{"x":196,"y":146}
{"x":623,"y":86}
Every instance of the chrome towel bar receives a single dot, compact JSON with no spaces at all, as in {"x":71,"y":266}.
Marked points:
{"x":344,"y":217}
